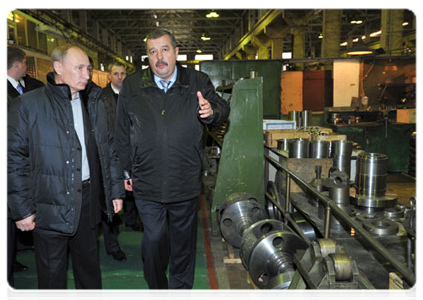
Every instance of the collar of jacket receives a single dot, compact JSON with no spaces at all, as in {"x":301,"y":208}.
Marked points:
{"x":147,"y":77}
{"x":62,"y":91}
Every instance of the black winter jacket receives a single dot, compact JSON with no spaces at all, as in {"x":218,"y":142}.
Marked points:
{"x":158,"y":135}
{"x":109,"y":98}
{"x":43,"y":159}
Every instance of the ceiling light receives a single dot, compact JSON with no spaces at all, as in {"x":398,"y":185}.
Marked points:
{"x":212,"y":14}
{"x":344,"y":44}
{"x":10,"y":16}
{"x":359,"y":50}
{"x":199,"y":50}
{"x":405,"y":24}
{"x":320,"y":36}
{"x":205,"y":38}
{"x":376,"y":33}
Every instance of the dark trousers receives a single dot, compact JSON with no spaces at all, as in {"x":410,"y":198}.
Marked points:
{"x":10,"y":237}
{"x":110,"y":233}
{"x":51,"y":254}
{"x":130,"y":209}
{"x":170,"y":232}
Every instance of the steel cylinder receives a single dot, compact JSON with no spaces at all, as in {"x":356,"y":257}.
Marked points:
{"x":372,"y":170}
{"x":295,"y":116}
{"x":341,"y":152}
{"x":298,"y":148}
{"x":319,"y":149}
{"x":306,"y":118}
{"x":283,"y":144}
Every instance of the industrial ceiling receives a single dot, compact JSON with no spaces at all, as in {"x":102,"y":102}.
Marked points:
{"x":131,"y":26}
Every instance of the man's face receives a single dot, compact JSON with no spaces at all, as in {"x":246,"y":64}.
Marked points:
{"x":162,"y":56}
{"x":116,"y":76}
{"x":73,"y":70}
{"x":22,"y":67}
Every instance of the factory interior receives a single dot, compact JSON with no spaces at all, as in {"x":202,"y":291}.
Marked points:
{"x":311,"y":183}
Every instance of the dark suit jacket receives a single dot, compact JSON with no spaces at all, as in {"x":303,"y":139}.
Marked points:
{"x":30,"y":84}
{"x":12,"y":93}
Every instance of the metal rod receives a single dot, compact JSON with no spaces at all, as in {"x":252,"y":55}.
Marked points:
{"x":288,"y":219}
{"x":288,"y":191}
{"x":327,"y":222}
{"x":340,"y":215}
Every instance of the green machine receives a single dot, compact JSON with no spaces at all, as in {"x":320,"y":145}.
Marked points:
{"x":223,"y":72}
{"x":241,"y":167}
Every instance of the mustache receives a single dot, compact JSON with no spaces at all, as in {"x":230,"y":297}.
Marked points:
{"x":161,"y":62}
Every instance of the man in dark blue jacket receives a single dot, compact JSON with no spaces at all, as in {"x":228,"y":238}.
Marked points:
{"x":60,"y":162}
{"x":161,"y":114}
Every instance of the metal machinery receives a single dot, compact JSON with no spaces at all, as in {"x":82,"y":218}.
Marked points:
{"x":326,"y":238}
{"x":336,"y":233}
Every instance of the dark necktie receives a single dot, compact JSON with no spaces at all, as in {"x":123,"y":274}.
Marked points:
{"x":164,"y":84}
{"x":19,"y":88}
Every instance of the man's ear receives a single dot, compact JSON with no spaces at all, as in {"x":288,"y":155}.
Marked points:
{"x":57,"y":66}
{"x":176,"y":51}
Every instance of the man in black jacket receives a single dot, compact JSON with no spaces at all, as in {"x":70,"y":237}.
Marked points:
{"x":161,"y":113}
{"x":18,"y":82}
{"x":60,"y":161}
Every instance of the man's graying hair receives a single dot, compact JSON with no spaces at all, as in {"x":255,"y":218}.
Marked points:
{"x":115,"y":64}
{"x":59,"y":53}
{"x":158,"y":33}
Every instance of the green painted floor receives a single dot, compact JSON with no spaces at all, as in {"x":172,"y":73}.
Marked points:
{"x":115,"y":274}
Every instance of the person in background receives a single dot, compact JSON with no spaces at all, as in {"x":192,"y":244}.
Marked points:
{"x":18,"y":82}
{"x":161,"y":114}
{"x":61,"y":164}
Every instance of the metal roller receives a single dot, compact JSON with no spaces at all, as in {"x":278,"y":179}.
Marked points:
{"x":283,"y":144}
{"x":273,"y":255}
{"x":298,"y":148}
{"x":281,"y":281}
{"x":371,"y":174}
{"x":343,"y":266}
{"x":242,"y":210}
{"x":381,"y":227}
{"x":341,"y":151}
{"x":394,"y":213}
{"x":372,"y":170}
{"x":327,"y":246}
{"x":319,"y":149}
{"x":304,"y":225}
{"x":253,"y":234}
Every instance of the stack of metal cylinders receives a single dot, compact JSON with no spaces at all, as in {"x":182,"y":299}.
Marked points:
{"x":298,"y":148}
{"x":372,"y":170}
{"x":319,"y":149}
{"x":341,"y":151}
